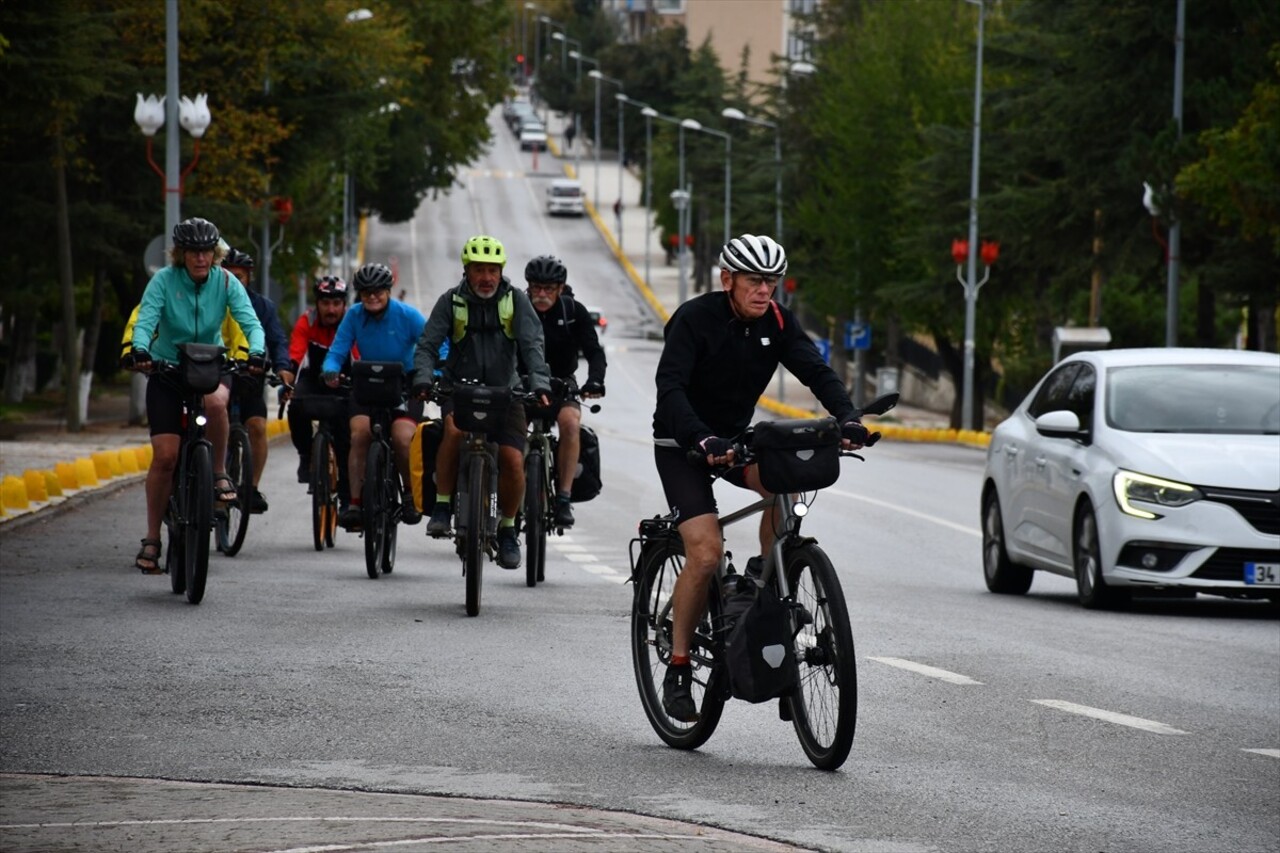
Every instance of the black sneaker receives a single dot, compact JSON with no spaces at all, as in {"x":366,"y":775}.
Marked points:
{"x":755,"y":567}
{"x":304,"y":471}
{"x":439,"y":523}
{"x":677,"y":693}
{"x":508,"y":548}
{"x":564,"y":512}
{"x":408,"y":511}
{"x":351,"y":518}
{"x":257,"y":503}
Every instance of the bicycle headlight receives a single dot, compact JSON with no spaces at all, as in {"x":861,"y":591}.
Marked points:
{"x":201,"y":420}
{"x":1130,"y":487}
{"x":800,"y":508}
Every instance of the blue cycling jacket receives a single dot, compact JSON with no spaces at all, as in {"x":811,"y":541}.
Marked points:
{"x":390,"y":336}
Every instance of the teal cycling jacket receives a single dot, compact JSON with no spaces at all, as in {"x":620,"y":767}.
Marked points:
{"x":175,"y":310}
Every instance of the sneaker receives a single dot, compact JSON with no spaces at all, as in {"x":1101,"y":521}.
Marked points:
{"x":508,"y":548}
{"x":440,"y":517}
{"x":408,"y":511}
{"x":258,"y":503}
{"x":304,"y":471}
{"x":677,"y":693}
{"x":351,"y":518}
{"x":755,"y":567}
{"x":564,"y":512}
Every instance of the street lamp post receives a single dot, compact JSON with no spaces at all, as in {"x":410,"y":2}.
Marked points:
{"x":596,"y":75}
{"x":728,"y":175}
{"x":971,"y":283}
{"x":739,"y":115}
{"x":682,"y":206}
{"x":576,"y":53}
{"x":648,"y":113}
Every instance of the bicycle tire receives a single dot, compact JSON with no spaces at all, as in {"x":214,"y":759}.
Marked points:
{"x":824,"y":706}
{"x":199,"y":521}
{"x":477,"y":530}
{"x":319,"y":489}
{"x":390,"y":500}
{"x":375,"y":510}
{"x":651,"y":630}
{"x":175,"y":562}
{"x":535,"y":517}
{"x":330,"y":478}
{"x":232,"y":524}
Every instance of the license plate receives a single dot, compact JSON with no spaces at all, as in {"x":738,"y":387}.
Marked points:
{"x":1262,"y":574}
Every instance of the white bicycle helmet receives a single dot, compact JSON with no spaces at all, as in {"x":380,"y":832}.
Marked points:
{"x":754,"y":254}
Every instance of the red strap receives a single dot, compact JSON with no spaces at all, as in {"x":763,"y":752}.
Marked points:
{"x":777,"y":313}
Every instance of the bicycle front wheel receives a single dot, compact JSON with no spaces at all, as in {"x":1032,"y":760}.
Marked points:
{"x":652,"y":621}
{"x":375,"y":510}
{"x":199,"y":520}
{"x":824,"y":707}
{"x":320,"y":492}
{"x":232,"y":523}
{"x":535,"y":517}
{"x":175,"y":560}
{"x":477,"y":516}
{"x":391,"y":501}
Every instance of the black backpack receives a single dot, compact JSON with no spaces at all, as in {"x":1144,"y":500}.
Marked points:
{"x":587,"y":483}
{"x":759,"y":652}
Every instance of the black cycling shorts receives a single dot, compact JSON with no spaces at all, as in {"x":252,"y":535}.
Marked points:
{"x":513,"y":429}
{"x":688,"y":486}
{"x":410,"y":410}
{"x":164,"y":405}
{"x":247,"y":393}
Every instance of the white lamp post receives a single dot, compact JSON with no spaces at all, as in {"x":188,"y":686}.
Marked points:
{"x":971,"y":283}
{"x":728,"y":173}
{"x":596,"y":75}
{"x":739,"y":115}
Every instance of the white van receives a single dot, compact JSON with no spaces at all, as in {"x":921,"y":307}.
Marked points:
{"x":564,"y":195}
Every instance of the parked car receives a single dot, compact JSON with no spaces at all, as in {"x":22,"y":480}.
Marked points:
{"x":564,"y":195}
{"x":1140,"y":469}
{"x":597,"y":317}
{"x":533,"y":139}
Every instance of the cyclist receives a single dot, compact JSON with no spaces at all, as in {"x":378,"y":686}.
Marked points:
{"x":720,"y":352}
{"x":312,"y":335}
{"x":186,"y":302}
{"x":488,"y":323}
{"x":567,"y":330}
{"x":248,"y":390}
{"x":384,"y":329}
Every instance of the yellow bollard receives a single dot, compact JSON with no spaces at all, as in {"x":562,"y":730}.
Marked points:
{"x":34,"y":482}
{"x":13,"y":493}
{"x":67,"y":475}
{"x":128,"y":461}
{"x":101,"y":465}
{"x":52,"y":484}
{"x":86,"y":472}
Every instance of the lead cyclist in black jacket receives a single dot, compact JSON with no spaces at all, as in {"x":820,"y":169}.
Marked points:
{"x":720,"y":352}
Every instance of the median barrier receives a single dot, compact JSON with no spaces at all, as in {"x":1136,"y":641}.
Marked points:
{"x":34,"y":481}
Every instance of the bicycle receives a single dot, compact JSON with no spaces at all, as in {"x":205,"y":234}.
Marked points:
{"x":541,"y":484}
{"x":379,"y":385}
{"x":324,"y":408}
{"x":231,"y":520}
{"x":189,"y":515}
{"x":822,"y":706}
{"x":477,"y":409}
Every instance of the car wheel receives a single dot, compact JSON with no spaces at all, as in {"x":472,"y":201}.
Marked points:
{"x":1002,"y":574}
{"x":1091,"y":587}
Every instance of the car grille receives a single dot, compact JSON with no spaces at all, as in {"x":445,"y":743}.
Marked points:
{"x":1227,"y":564}
{"x":1261,"y":509}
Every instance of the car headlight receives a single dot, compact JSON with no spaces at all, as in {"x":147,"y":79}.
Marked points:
{"x":1130,"y":486}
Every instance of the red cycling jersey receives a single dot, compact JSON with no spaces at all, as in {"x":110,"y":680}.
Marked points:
{"x":308,"y":331}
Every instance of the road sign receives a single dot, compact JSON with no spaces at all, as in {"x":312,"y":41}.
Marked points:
{"x":153,"y":256}
{"x":857,"y":335}
{"x":824,"y":347}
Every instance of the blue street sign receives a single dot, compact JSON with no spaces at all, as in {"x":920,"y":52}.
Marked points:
{"x":857,"y":335}
{"x":824,"y":347}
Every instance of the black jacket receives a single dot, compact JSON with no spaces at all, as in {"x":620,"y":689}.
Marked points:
{"x":714,"y":367}
{"x":568,"y":330}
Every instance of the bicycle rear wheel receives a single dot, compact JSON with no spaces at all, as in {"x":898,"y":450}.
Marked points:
{"x":320,"y":492}
{"x":824,"y":707}
{"x":477,"y":530}
{"x":375,"y":510}
{"x":232,"y":523}
{"x":535,"y":517}
{"x":175,"y":561}
{"x":199,"y":520}
{"x":330,"y":478}
{"x":651,"y":631}
{"x":390,"y":500}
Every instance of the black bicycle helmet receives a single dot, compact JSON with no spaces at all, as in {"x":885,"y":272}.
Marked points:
{"x":237,"y":258}
{"x":329,"y":286}
{"x":546,"y":269}
{"x":752,"y":254}
{"x":195,"y":233}
{"x":373,"y":277}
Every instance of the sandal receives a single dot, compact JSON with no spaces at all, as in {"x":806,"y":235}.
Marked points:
{"x":148,"y":559}
{"x":225,"y":494}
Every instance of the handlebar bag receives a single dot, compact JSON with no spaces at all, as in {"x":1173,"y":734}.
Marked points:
{"x":377,"y":383}
{"x":200,"y":366}
{"x":319,"y":406}
{"x":480,"y":408}
{"x":797,"y":455}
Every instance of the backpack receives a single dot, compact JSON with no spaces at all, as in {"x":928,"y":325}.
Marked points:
{"x":759,"y":652}
{"x":586,"y":482}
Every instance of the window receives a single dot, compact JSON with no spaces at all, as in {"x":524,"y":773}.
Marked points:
{"x":1054,"y":392}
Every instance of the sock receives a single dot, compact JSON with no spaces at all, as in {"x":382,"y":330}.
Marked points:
{"x":507,"y":521}
{"x":443,"y":499}
{"x":563,"y":496}
{"x":355,"y":501}
{"x":679,"y":660}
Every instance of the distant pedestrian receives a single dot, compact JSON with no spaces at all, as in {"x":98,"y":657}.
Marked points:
{"x":570,"y":132}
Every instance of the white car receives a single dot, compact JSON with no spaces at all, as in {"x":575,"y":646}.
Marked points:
{"x":564,"y":195}
{"x":533,"y":139}
{"x":1140,"y":469}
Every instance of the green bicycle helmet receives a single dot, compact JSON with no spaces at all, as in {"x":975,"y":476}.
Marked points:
{"x":484,"y":249}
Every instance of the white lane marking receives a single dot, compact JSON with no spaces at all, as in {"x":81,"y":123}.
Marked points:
{"x":1110,"y":717}
{"x":581,"y":558}
{"x":1270,"y":753}
{"x":567,"y":548}
{"x":915,"y":513}
{"x":923,"y":669}
{"x":549,"y":825}
{"x":454,"y":839}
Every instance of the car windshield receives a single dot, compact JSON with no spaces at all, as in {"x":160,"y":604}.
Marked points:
{"x":566,"y":191}
{"x":1194,"y":398}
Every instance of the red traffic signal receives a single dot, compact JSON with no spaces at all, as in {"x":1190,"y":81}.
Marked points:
{"x":989,"y":252}
{"x":520,"y":59}
{"x":960,"y":251}
{"x":283,"y":208}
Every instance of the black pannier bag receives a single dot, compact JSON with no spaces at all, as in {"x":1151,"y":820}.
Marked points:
{"x":586,"y":481}
{"x":377,"y":383}
{"x":201,"y":366}
{"x":480,"y":408}
{"x":759,"y":651}
{"x":797,"y":455}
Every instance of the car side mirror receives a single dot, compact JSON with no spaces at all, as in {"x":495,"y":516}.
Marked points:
{"x":1061,"y":424}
